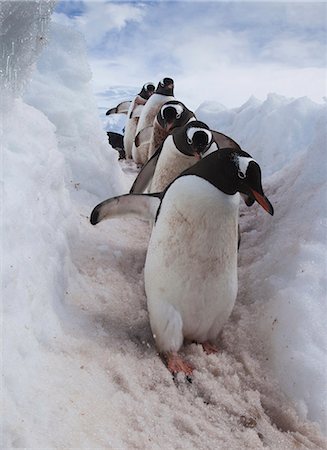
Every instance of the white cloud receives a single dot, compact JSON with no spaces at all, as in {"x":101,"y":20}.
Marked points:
{"x":220,"y":51}
{"x":101,"y":17}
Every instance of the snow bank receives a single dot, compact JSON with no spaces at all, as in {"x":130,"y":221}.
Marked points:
{"x":54,"y":155}
{"x":283,"y":259}
{"x":273,"y":131}
{"x":61,"y":89}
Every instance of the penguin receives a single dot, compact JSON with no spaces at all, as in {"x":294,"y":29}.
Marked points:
{"x":163,"y":93}
{"x":181,"y":149}
{"x":172,"y":114}
{"x":190,"y":272}
{"x":133,"y":115}
{"x":116,"y":141}
{"x":121,"y":108}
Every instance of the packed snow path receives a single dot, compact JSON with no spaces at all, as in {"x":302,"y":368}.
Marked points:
{"x":231,"y":403}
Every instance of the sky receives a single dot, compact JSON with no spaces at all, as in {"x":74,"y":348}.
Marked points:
{"x":220,"y":51}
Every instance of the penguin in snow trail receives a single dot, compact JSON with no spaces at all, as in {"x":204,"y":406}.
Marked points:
{"x":116,"y":140}
{"x":133,"y":116}
{"x":190,"y":270}
{"x":181,"y":150}
{"x":172,"y":114}
{"x":163,"y":93}
{"x":121,"y":108}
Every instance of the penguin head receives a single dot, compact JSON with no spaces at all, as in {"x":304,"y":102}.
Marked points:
{"x":198,"y":137}
{"x":169,"y":114}
{"x":165,"y":87}
{"x":232,"y":170}
{"x":147,"y":90}
{"x":249,"y":182}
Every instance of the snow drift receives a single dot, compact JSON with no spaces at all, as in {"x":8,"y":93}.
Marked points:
{"x":79,"y":364}
{"x":283,"y":263}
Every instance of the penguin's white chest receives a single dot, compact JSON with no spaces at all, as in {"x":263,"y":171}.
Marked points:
{"x":171,"y":163}
{"x":191,"y":264}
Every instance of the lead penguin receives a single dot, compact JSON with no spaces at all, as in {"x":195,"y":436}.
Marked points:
{"x":191,"y":264}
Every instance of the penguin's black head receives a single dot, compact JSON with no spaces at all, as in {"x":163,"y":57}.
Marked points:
{"x":199,"y":137}
{"x":150,"y":88}
{"x":244,"y":175}
{"x":147,"y":90}
{"x":167,"y":82}
{"x":169,"y":113}
{"x":165,"y":87}
{"x":233,"y":170}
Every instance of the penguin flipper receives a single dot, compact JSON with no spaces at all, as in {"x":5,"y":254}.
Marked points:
{"x":122,"y":108}
{"x":145,"y":176}
{"x":224,"y":141}
{"x":142,"y":206}
{"x":143,"y":136}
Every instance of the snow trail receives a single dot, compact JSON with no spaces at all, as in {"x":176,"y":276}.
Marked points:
{"x":231,"y":403}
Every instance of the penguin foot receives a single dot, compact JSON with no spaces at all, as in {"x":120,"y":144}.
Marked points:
{"x":176,"y":364}
{"x":209,"y":348}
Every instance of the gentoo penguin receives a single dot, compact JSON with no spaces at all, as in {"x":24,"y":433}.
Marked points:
{"x":180,"y":150}
{"x":190,"y":270}
{"x":133,"y":116}
{"x":171,"y":115}
{"x":116,"y":141}
{"x":121,"y":108}
{"x":163,"y":93}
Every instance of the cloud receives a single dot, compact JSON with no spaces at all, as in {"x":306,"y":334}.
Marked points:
{"x":224,"y":51}
{"x":97,"y":19}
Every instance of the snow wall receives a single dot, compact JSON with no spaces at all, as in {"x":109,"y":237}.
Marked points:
{"x":55,"y":158}
{"x":283,"y":259}
{"x":55,"y":155}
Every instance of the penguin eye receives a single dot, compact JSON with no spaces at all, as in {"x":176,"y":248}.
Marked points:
{"x":178,"y":116}
{"x":241,"y":175}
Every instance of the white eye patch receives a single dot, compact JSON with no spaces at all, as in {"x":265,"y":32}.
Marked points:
{"x":243,"y":163}
{"x":191,"y":131}
{"x":179,"y":110}
{"x":146,"y":86}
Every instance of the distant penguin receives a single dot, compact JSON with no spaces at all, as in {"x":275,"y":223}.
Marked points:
{"x":133,"y":116}
{"x":116,"y":141}
{"x":181,"y":149}
{"x":190,"y":270}
{"x":163,"y":93}
{"x":121,"y":108}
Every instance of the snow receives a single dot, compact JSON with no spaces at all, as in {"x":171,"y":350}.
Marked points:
{"x":78,"y":359}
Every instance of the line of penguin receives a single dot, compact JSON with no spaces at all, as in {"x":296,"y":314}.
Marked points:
{"x":190,"y":185}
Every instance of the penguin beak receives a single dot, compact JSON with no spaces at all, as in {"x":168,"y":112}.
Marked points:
{"x":263,"y":201}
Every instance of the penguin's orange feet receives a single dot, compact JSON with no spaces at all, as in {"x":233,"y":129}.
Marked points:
{"x":176,"y":364}
{"x":209,"y":348}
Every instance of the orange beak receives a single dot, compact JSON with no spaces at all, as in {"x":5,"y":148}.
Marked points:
{"x":263,"y":201}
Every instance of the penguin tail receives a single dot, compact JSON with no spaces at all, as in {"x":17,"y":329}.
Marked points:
{"x":142,"y":206}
